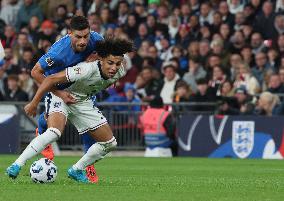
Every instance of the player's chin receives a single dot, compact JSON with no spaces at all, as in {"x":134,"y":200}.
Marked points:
{"x":81,"y":48}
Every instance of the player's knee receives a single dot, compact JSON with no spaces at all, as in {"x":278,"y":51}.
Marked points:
{"x":56,"y":134}
{"x":109,"y":145}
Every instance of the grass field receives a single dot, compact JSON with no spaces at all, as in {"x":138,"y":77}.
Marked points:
{"x":126,"y":178}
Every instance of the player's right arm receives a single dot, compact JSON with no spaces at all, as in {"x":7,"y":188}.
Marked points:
{"x":71,"y":74}
{"x":45,"y":62}
{"x":47,"y":85}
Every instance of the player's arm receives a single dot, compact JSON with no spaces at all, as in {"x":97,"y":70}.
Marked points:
{"x":47,"y":85}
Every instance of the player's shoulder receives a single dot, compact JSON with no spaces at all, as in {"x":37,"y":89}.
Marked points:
{"x":61,"y":46}
{"x":95,"y":36}
{"x":89,"y":67}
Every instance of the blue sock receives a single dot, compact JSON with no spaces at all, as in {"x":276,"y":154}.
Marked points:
{"x":42,"y":124}
{"x":88,"y":141}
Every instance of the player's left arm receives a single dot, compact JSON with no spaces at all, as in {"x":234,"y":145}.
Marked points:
{"x":46,"y":86}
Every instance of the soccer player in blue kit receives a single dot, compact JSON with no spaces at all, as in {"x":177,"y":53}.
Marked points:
{"x":70,"y":50}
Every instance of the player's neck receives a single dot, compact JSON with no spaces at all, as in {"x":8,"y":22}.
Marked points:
{"x":101,"y":71}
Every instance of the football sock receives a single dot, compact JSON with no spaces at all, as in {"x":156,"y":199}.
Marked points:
{"x":38,"y":144}
{"x":95,"y":153}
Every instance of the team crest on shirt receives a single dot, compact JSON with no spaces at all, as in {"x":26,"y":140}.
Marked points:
{"x":78,"y":71}
{"x":57,"y":104}
{"x":49,"y":61}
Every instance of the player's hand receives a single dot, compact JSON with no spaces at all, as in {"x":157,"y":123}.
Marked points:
{"x":92,"y":57}
{"x":66,"y":97}
{"x":30,"y":109}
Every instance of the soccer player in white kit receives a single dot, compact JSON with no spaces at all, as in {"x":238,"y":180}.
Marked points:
{"x":88,"y":79}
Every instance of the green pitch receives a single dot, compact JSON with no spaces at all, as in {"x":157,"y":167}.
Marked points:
{"x":154,"y":179}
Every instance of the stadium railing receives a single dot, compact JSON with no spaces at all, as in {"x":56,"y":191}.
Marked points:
{"x":125,"y":124}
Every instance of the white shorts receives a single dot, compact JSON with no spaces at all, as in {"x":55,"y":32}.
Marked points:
{"x":83,"y":115}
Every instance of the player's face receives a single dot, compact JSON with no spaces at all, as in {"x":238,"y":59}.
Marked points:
{"x":80,"y":39}
{"x":110,"y":65}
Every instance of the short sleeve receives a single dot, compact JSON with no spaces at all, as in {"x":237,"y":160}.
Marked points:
{"x":49,"y":61}
{"x":81,"y":71}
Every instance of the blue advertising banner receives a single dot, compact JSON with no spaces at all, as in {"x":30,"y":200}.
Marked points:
{"x":9,"y":130}
{"x":231,"y":136}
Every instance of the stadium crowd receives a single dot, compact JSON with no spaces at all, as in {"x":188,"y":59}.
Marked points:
{"x":230,"y":52}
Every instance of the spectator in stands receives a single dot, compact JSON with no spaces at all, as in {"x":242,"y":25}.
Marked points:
{"x":240,"y":103}
{"x":10,"y":63}
{"x":268,"y":104}
{"x":8,"y":13}
{"x":27,"y":61}
{"x":281,"y":74}
{"x":217,"y":48}
{"x":245,"y":79}
{"x":131,"y":26}
{"x":237,"y":42}
{"x":204,"y":94}
{"x":185,"y":10}
{"x":26,"y":11}
{"x":195,"y":72}
{"x":273,"y":58}
{"x":123,"y":11}
{"x":142,"y":35}
{"x":26,"y":82}
{"x":48,"y":31}
{"x":60,"y":16}
{"x":173,"y":26}
{"x":233,"y":70}
{"x":153,"y":86}
{"x":247,"y":55}
{"x":280,"y":44}
{"x":278,"y":26}
{"x":257,"y":43}
{"x":261,"y":67}
{"x":265,"y":21}
{"x":15,"y":93}
{"x":182,"y":92}
{"x":33,"y":27}
{"x":183,"y":37}
{"x":139,"y":86}
{"x":204,"y":50}
{"x":217,"y":78}
{"x":10,"y":37}
{"x":226,"y":89}
{"x":129,"y":96}
{"x":227,"y":17}
{"x":206,"y":13}
{"x":170,"y":80}
{"x":153,"y":54}
{"x":235,"y":6}
{"x":22,"y":42}
{"x":275,"y":86}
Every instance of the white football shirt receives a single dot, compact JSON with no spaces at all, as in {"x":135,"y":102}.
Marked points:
{"x":87,"y":79}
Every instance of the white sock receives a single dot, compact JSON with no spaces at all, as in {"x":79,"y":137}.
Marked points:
{"x":38,"y":144}
{"x":95,"y":153}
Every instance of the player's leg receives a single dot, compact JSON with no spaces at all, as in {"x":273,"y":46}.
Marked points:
{"x":57,"y":114}
{"x":42,"y":127}
{"x":105,"y":142}
{"x":88,"y":141}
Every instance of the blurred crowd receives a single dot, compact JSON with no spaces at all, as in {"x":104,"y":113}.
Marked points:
{"x":230,"y":52}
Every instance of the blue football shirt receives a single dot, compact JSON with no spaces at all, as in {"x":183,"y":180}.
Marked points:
{"x":61,"y":55}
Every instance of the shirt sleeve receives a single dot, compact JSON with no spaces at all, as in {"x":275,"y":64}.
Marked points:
{"x":49,"y":61}
{"x":81,"y":71}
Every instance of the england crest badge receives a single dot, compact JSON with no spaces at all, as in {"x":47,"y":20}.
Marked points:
{"x":243,"y":138}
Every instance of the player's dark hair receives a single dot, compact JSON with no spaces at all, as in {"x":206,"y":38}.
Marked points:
{"x":79,"y":23}
{"x":114,"y":46}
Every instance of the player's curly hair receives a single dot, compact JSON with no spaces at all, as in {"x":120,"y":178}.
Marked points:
{"x":114,"y":46}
